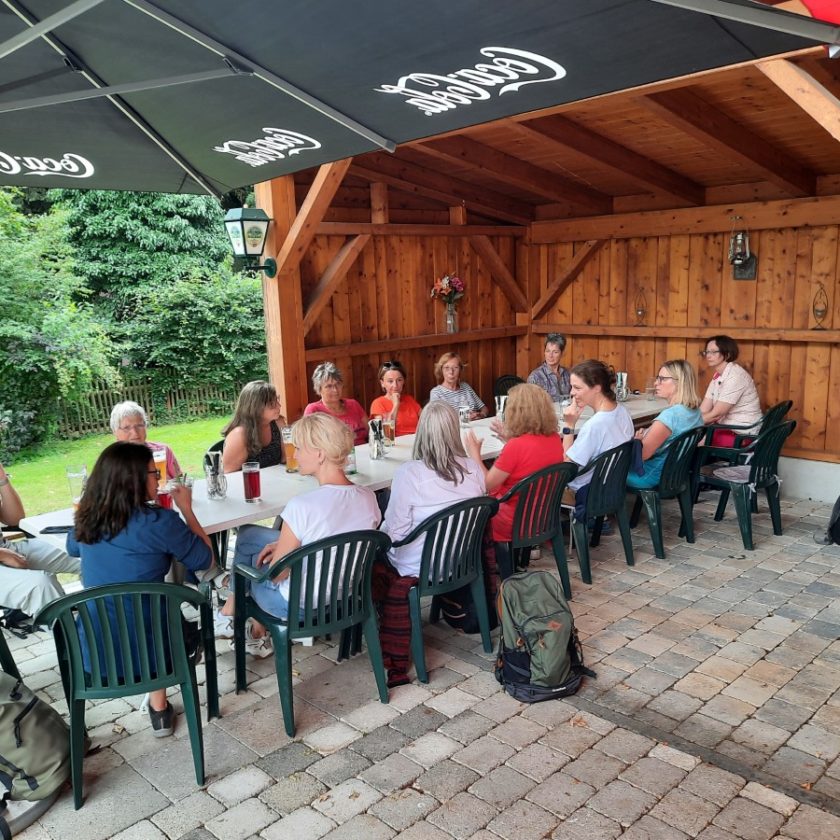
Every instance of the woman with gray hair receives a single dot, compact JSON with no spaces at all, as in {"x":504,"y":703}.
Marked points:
{"x":328,"y":384}
{"x":129,"y":424}
{"x":551,"y":376}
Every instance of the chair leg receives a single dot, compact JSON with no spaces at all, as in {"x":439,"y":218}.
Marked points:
{"x":434,"y":610}
{"x":418,"y":652}
{"x":582,"y":545}
{"x":283,"y":666}
{"x":211,"y":680}
{"x":192,"y":712}
{"x":775,"y":508}
{"x":239,"y":616}
{"x":724,"y":498}
{"x":479,"y":597}
{"x":624,"y":527}
{"x":595,"y":540}
{"x":77,"y":749}
{"x":687,"y":510}
{"x":653,"y":507}
{"x":504,"y":560}
{"x":637,"y":511}
{"x":371,"y":631}
{"x":743,"y":507}
{"x":559,"y":548}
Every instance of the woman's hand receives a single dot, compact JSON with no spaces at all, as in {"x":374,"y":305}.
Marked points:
{"x":640,"y":434}
{"x":181,"y":495}
{"x":394,"y":396}
{"x":267,"y":554}
{"x":571,"y":414}
{"x":473,"y":445}
{"x":498,"y":429}
{"x":12,"y":559}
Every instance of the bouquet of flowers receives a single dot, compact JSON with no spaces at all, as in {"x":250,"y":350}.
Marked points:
{"x":449,"y":289}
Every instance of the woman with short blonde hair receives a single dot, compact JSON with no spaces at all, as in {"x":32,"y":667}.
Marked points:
{"x":530,"y":413}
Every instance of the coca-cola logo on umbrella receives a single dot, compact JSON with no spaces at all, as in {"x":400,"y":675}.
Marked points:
{"x":509,"y":70}
{"x":68,"y":165}
{"x":277,"y":144}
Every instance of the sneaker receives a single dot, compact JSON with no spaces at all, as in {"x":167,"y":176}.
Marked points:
{"x":536,"y":553}
{"x":259,"y":647}
{"x":223,"y":626}
{"x":162,"y":722}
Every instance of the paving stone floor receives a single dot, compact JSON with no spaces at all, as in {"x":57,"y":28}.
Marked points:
{"x":716,"y":715}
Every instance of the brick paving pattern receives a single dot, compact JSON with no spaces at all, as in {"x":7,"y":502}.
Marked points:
{"x":715,"y":715}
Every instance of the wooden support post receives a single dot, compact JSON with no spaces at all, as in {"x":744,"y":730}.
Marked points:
{"x":283,"y":302}
{"x":379,"y":209}
{"x":507,"y":282}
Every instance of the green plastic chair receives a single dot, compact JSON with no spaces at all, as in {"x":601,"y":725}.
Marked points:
{"x":761,"y":473}
{"x":606,"y":495}
{"x":147,"y":632}
{"x":452,"y":558}
{"x":536,"y":519}
{"x":7,"y":661}
{"x":341,"y":595}
{"x":504,"y":383}
{"x":675,"y":482}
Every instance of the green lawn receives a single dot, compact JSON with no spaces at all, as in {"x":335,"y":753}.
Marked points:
{"x":41,"y":481}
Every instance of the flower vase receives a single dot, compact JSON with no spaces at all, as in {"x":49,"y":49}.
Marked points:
{"x":451,"y":318}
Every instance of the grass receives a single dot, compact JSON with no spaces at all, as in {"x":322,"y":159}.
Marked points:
{"x":40,"y":477}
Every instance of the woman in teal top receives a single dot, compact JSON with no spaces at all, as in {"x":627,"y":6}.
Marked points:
{"x":676,"y":383}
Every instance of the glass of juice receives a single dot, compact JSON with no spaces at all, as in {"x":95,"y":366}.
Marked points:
{"x":251,"y":480}
{"x":289,"y":449}
{"x":164,"y":498}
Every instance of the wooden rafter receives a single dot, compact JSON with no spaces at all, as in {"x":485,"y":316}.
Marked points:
{"x":641,"y":169}
{"x":335,"y":272}
{"x":507,"y":282}
{"x":352,"y":228}
{"x":419,"y":180}
{"x":812,"y":97}
{"x":315,"y":205}
{"x":500,"y":166}
{"x":581,"y":258}
{"x":688,"y":112}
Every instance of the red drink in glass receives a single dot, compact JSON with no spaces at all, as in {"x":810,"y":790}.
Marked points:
{"x":164,"y":498}
{"x":251,"y":480}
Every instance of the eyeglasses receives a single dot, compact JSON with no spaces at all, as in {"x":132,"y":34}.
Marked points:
{"x":155,"y":473}
{"x":137,"y":427}
{"x":709,"y":352}
{"x":659,"y":379}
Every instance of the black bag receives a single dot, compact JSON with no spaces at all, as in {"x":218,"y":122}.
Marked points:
{"x":458,"y":610}
{"x":831,"y":535}
{"x":540,"y":656}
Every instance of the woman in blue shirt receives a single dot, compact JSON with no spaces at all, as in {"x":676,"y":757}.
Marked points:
{"x":676,"y":383}
{"x":122,"y":536}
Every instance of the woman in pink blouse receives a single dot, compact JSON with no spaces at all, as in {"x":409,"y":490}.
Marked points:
{"x":329,"y":384}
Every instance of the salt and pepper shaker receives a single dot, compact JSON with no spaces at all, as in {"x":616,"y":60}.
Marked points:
{"x":216,"y":481}
{"x":376,"y":441}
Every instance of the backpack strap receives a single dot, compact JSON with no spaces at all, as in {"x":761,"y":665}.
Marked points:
{"x":5,"y":831}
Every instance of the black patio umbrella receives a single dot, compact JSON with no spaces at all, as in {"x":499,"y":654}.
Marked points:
{"x":202,"y":95}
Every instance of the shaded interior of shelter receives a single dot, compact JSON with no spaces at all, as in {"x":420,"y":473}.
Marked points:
{"x":608,"y":220}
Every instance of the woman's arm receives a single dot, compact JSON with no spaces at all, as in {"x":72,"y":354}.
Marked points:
{"x":716,"y":413}
{"x":11,"y":507}
{"x":271,"y":554}
{"x":235,"y":452}
{"x":494,"y":477}
{"x":182,"y":496}
{"x":652,"y":438}
{"x":398,"y":520}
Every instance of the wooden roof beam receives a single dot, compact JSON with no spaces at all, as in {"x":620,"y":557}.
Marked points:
{"x":581,"y":258}
{"x":507,"y":169}
{"x":412,"y":178}
{"x":641,"y":169}
{"x":812,"y":97}
{"x":506,"y":281}
{"x":688,"y":112}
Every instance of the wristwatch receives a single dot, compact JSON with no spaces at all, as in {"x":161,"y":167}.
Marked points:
{"x":568,"y":431}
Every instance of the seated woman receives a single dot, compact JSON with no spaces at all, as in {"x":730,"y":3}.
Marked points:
{"x":395,"y":405}
{"x":451,"y":390}
{"x":439,"y":475}
{"x":611,"y":425}
{"x":129,"y":423}
{"x":676,"y":383}
{"x":329,"y":384}
{"x":530,"y":428}
{"x":337,"y":506}
{"x":551,"y":376}
{"x":731,"y":398}
{"x":254,"y":432}
{"x":122,"y":536}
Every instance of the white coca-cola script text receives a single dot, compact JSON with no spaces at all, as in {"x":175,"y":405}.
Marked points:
{"x":276,"y":145}
{"x":69,"y":165}
{"x":506,"y":70}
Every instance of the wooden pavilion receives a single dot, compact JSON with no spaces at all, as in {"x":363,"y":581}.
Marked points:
{"x":608,"y":220}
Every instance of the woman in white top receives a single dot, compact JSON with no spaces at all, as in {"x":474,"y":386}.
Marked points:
{"x":440,"y":475}
{"x":611,"y":425}
{"x":337,"y":506}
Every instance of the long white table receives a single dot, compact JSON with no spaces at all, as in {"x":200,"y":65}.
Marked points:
{"x":278,"y":486}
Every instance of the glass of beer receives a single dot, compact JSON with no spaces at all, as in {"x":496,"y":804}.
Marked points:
{"x":289,"y":449}
{"x":251,"y":480}
{"x":159,"y":457}
{"x":389,"y":431}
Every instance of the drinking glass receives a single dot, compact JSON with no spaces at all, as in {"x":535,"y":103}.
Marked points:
{"x":389,"y":429}
{"x":251,"y":480}
{"x":164,"y":497}
{"x":159,"y":457}
{"x":289,"y":449}
{"x":464,"y":412}
{"x":76,"y":478}
{"x":650,"y":388}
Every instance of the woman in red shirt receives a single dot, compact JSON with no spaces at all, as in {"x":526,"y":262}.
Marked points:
{"x":395,"y":405}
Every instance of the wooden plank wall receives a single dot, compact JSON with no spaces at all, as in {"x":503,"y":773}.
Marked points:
{"x":688,"y":290}
{"x":385,"y":300}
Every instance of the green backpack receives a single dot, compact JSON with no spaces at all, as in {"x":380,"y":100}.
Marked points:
{"x":540,"y":657}
{"x":34,"y":744}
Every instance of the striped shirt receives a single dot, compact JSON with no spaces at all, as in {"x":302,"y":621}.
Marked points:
{"x":462,"y":395}
{"x":557,"y":385}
